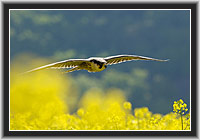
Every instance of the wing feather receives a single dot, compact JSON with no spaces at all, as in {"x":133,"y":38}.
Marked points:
{"x":123,"y":58}
{"x":70,"y":63}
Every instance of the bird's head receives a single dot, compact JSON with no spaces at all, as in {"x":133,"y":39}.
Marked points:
{"x":100,"y":62}
{"x":97,"y":60}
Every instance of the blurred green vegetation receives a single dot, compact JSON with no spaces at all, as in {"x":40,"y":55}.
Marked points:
{"x":59,"y":35}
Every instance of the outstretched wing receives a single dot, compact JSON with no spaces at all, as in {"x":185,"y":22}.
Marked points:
{"x":70,"y":63}
{"x":123,"y":58}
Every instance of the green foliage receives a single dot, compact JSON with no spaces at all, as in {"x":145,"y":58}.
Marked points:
{"x":130,"y":83}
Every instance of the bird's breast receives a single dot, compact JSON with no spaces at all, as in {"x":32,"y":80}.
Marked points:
{"x":96,"y":67}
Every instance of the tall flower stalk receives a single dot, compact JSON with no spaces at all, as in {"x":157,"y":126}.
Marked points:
{"x":179,"y":107}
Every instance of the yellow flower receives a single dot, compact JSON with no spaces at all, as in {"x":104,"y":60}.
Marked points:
{"x":45,"y":105}
{"x":180,"y":107}
{"x":181,"y":101}
{"x":80,"y":112}
{"x":127,"y":105}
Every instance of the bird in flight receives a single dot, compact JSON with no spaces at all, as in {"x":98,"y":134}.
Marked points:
{"x":92,"y":64}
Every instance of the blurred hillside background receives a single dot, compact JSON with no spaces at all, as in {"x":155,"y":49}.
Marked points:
{"x":62,"y":34}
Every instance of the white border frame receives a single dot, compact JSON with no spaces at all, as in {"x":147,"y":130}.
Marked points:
{"x":100,"y":10}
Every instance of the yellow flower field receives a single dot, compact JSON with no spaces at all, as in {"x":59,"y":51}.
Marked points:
{"x":47,"y":100}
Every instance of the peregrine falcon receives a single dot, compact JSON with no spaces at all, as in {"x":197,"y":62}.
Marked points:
{"x":92,"y":64}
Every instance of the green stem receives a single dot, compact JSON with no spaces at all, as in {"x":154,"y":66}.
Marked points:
{"x":181,"y":120}
{"x":186,"y":127}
